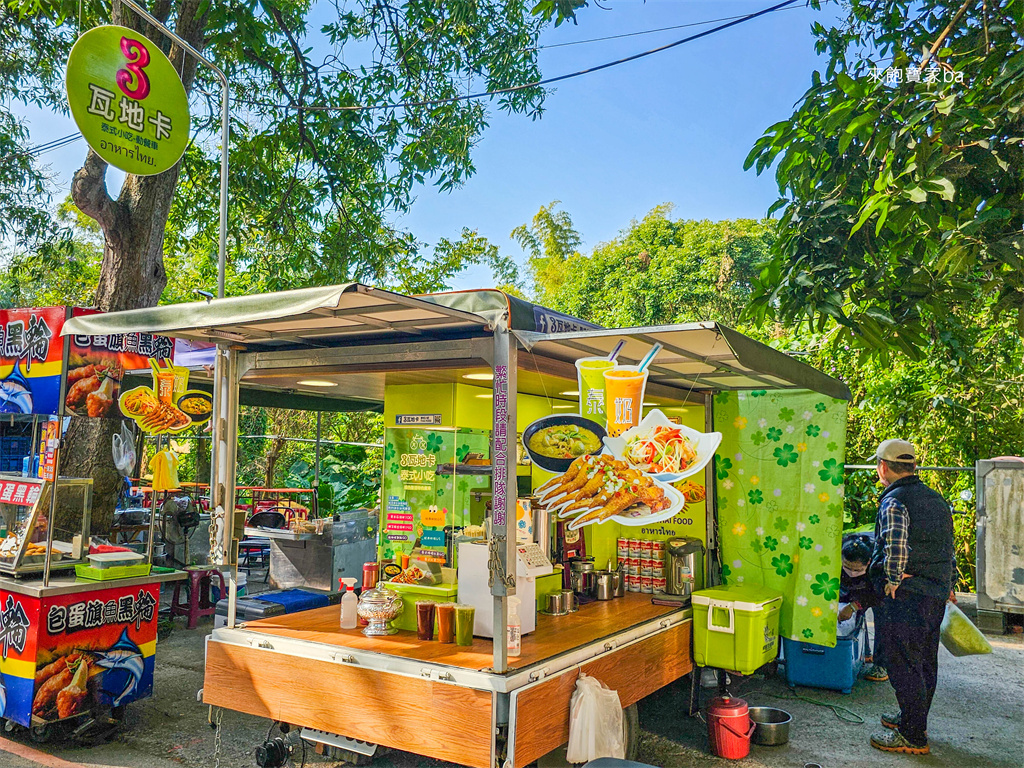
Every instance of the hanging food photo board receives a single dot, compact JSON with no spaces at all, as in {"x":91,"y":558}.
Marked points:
{"x":612,"y":464}
{"x":127,"y":100}
{"x":168,"y":406}
{"x":96,"y":365}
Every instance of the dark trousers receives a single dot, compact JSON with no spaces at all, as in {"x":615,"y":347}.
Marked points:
{"x":911,"y":647}
{"x":878,"y":651}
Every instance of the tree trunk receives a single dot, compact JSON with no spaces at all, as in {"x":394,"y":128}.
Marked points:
{"x":132,"y":271}
{"x":272,"y":456}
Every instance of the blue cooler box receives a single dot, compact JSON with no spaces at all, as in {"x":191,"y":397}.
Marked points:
{"x":816,"y":666}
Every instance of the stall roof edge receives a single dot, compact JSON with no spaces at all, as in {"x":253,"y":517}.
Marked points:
{"x":690,"y":357}
{"x":328,"y":316}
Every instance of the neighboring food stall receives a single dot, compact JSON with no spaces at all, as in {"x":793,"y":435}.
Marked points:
{"x":477,"y":389}
{"x":78,"y":625}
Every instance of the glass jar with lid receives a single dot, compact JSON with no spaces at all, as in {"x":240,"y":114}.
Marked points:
{"x":378,"y":607}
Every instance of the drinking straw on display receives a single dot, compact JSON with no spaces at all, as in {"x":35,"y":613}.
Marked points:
{"x":649,"y":357}
{"x":618,"y":348}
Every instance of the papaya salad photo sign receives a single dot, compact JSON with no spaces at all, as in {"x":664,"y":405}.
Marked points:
{"x":613,"y":463}
{"x":168,"y":406}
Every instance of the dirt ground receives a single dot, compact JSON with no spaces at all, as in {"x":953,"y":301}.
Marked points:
{"x":977,"y":720}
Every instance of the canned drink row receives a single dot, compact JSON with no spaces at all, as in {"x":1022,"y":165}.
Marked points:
{"x":641,"y":548}
{"x":645,"y":584}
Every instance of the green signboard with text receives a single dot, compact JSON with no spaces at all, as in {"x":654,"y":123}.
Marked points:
{"x":127,"y":100}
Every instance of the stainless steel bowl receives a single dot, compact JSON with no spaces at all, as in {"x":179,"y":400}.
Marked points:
{"x":771,"y":726}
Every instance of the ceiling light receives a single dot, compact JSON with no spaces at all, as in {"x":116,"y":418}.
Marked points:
{"x":488,"y":396}
{"x":317,"y":383}
{"x":478,"y":376}
{"x":571,"y":393}
{"x":561,"y":407}
{"x":646,"y":405}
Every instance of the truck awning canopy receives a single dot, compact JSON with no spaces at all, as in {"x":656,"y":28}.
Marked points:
{"x":308,"y":317}
{"x":697,"y":357}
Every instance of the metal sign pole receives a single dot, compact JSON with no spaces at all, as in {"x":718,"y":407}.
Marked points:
{"x":502,"y":561}
{"x":225,"y":136}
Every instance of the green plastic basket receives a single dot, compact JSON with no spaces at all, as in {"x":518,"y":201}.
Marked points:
{"x":89,"y":573}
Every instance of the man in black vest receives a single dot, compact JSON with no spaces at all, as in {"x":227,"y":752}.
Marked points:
{"x":913,"y":565}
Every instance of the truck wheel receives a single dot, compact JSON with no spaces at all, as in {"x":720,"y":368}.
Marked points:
{"x":631,"y":731}
{"x":40,"y":734}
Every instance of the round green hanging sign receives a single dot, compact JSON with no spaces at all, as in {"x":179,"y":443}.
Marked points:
{"x":127,"y":100}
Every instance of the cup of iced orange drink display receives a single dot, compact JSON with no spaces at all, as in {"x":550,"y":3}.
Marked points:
{"x":624,"y":395}
{"x":590,"y":376}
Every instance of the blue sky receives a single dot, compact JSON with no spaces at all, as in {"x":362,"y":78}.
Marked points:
{"x":673,"y":127}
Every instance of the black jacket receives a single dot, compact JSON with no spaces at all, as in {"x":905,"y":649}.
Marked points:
{"x":931,"y":565}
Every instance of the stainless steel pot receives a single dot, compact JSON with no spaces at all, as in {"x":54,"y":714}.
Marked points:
{"x":604,"y":588}
{"x":582,"y":577}
{"x":771,"y":726}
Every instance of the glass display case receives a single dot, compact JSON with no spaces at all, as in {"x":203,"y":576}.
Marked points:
{"x":25,"y":523}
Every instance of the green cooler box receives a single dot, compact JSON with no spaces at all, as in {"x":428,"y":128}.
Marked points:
{"x":411,"y":593}
{"x":736,"y":627}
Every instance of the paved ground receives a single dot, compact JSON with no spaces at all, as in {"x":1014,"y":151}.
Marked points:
{"x":977,"y":720}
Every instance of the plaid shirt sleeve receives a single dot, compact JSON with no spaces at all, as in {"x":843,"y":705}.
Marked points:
{"x":893,"y":531}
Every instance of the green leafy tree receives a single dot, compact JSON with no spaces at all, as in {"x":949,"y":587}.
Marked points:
{"x":313,"y":190}
{"x":54,"y":273}
{"x":658,"y":270}
{"x":901,"y":201}
{"x":550,"y":241}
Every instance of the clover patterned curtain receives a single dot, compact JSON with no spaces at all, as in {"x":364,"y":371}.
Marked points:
{"x":780,"y":502}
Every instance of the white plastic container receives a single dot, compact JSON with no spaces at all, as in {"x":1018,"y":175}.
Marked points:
{"x":114,"y":559}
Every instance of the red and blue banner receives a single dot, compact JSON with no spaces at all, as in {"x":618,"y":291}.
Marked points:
{"x":64,"y":656}
{"x":31,"y":356}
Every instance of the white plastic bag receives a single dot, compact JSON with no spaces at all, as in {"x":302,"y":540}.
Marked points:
{"x":124,"y":451}
{"x":595,"y":722}
{"x":959,"y":634}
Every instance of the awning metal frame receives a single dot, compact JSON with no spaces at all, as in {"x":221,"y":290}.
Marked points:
{"x":469,"y":340}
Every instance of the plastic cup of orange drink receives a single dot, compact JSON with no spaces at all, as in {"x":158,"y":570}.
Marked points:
{"x":623,"y":397}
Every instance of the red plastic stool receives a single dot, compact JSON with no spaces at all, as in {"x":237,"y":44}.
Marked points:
{"x":200,"y":579}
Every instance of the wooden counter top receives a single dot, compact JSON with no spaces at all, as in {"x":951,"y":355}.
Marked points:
{"x":554,"y":636}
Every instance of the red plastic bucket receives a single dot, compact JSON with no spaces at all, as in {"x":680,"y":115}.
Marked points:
{"x":729,"y":728}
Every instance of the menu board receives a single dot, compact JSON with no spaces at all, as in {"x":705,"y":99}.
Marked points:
{"x":422,"y":506}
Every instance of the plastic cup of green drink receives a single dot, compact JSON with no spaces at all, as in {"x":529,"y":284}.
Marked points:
{"x":465,"y":615}
{"x":590,"y":378}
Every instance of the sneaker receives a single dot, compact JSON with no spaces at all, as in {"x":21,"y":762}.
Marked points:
{"x":877,"y":674}
{"x":894,"y":741}
{"x":893,"y":722}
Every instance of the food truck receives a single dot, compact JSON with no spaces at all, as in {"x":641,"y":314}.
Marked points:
{"x":78,"y":640}
{"x":481,"y":391}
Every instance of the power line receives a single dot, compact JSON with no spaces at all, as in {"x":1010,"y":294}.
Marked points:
{"x":514,"y":88}
{"x":648,"y":31}
{"x":49,"y":146}
{"x":730,"y":21}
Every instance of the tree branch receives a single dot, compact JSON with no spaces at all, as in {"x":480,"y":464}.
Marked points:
{"x":89,"y":191}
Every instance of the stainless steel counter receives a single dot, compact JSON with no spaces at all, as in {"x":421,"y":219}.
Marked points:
{"x":67,"y":585}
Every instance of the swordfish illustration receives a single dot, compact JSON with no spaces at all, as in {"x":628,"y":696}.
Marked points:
{"x":126,"y":656}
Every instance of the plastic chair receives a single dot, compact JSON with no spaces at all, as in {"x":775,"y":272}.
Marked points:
{"x":268,"y":519}
{"x":200,"y":580}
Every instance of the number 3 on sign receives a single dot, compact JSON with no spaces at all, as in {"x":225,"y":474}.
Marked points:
{"x":133,"y":81}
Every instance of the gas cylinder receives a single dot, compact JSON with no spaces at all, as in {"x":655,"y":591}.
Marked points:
{"x":729,"y":727}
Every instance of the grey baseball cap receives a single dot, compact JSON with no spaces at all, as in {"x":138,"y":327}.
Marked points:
{"x":895,"y":450}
